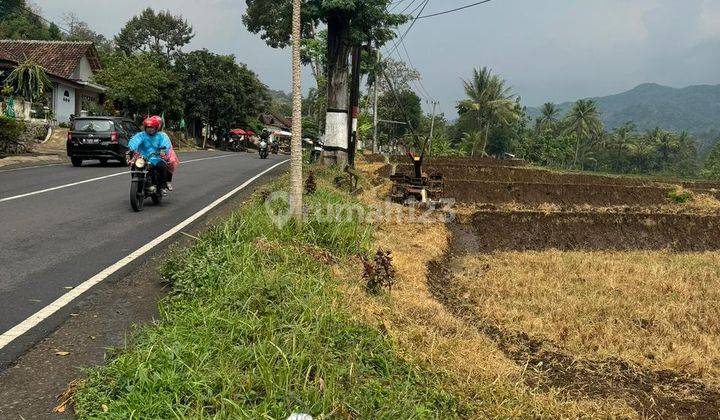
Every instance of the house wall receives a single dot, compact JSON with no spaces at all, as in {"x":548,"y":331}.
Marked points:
{"x":64,"y":104}
{"x":83,"y":70}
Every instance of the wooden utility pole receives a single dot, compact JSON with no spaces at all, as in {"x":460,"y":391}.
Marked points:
{"x":296,"y":180}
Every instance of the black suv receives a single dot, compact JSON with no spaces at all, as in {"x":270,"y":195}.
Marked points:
{"x":101,"y":138}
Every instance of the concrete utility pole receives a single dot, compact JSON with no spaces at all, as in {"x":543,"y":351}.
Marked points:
{"x":296,"y":180}
{"x":432,"y":127}
{"x":354,"y":105}
{"x":375,"y":105}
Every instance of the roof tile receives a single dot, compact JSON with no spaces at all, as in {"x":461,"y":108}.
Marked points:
{"x":59,"y":58}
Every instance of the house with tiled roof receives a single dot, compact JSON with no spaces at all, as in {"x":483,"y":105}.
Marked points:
{"x":70,"y":66}
{"x":279,"y":127}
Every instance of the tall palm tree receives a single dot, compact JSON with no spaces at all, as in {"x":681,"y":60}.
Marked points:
{"x":583,"y":121}
{"x":667,"y":145}
{"x":642,"y":149}
{"x":296,"y":143}
{"x":549,"y":113}
{"x":490,"y":101}
{"x":30,"y":81}
{"x":621,"y":139}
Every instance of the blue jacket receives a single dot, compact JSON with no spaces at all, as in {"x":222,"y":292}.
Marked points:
{"x":146,"y":144}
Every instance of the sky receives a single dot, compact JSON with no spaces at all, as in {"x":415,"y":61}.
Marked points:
{"x":546,"y":50}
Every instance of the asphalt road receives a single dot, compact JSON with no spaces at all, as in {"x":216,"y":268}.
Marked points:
{"x":52,"y":240}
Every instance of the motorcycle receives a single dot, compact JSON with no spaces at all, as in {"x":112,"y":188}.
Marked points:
{"x":144,"y":180}
{"x":274,"y":148}
{"x":234,"y":144}
{"x":263,"y":150}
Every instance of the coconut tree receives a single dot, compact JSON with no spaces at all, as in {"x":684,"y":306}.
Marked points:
{"x":549,"y":113}
{"x":584,"y":122}
{"x":642,"y":148}
{"x":296,"y":145}
{"x":489,"y":102}
{"x":620,"y":141}
{"x":30,"y":81}
{"x":667,"y":146}
{"x":470,"y":140}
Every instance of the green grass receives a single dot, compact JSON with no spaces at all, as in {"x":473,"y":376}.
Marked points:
{"x":255,"y":328}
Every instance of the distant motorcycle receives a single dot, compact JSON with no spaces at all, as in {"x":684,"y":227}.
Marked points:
{"x":274,"y":148}
{"x":234,"y":144}
{"x":263,"y":149}
{"x":144,"y":181}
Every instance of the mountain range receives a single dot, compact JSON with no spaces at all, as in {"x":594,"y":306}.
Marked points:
{"x":695,"y":109}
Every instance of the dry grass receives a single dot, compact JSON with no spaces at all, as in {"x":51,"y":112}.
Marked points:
{"x":655,"y":308}
{"x":426,"y":333}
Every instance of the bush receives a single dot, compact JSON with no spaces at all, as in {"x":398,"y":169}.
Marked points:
{"x":10,"y":133}
{"x":680,"y":195}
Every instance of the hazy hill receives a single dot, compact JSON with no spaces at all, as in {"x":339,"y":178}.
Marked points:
{"x":695,"y":108}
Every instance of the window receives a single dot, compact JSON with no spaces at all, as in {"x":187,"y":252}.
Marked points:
{"x":92,"y":125}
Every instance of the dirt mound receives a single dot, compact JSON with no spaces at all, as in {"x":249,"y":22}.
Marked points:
{"x":527,"y":230}
{"x":560,"y":194}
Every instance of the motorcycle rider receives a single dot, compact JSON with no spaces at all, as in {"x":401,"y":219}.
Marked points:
{"x":264,"y":140}
{"x":152,"y":140}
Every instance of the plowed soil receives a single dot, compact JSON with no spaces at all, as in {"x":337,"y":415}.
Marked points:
{"x":458,"y":171}
{"x":531,"y":193}
{"x":523,"y":231}
{"x":486,"y":161}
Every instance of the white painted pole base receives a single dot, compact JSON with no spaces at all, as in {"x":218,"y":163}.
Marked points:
{"x":336,"y":137}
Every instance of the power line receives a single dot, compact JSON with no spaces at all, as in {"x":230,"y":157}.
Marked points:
{"x":411,"y":25}
{"x":453,"y":10}
{"x":412,"y":66}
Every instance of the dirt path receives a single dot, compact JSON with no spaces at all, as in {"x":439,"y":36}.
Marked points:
{"x":660,"y":394}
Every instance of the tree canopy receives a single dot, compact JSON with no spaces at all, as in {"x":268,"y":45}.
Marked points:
{"x":369,"y":19}
{"x":20,"y":21}
{"x":218,"y":91}
{"x":157,"y":32}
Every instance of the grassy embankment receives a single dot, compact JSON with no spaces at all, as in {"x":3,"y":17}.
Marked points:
{"x":255,"y":327}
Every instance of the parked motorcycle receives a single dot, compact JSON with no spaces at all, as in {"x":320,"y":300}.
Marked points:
{"x":263,"y":149}
{"x":144,"y":182}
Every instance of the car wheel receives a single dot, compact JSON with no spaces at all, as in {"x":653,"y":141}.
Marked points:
{"x":76,"y":161}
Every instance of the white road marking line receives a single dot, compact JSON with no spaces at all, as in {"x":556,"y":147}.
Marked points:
{"x":15,"y":197}
{"x":44,"y":313}
{"x":31,"y":167}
